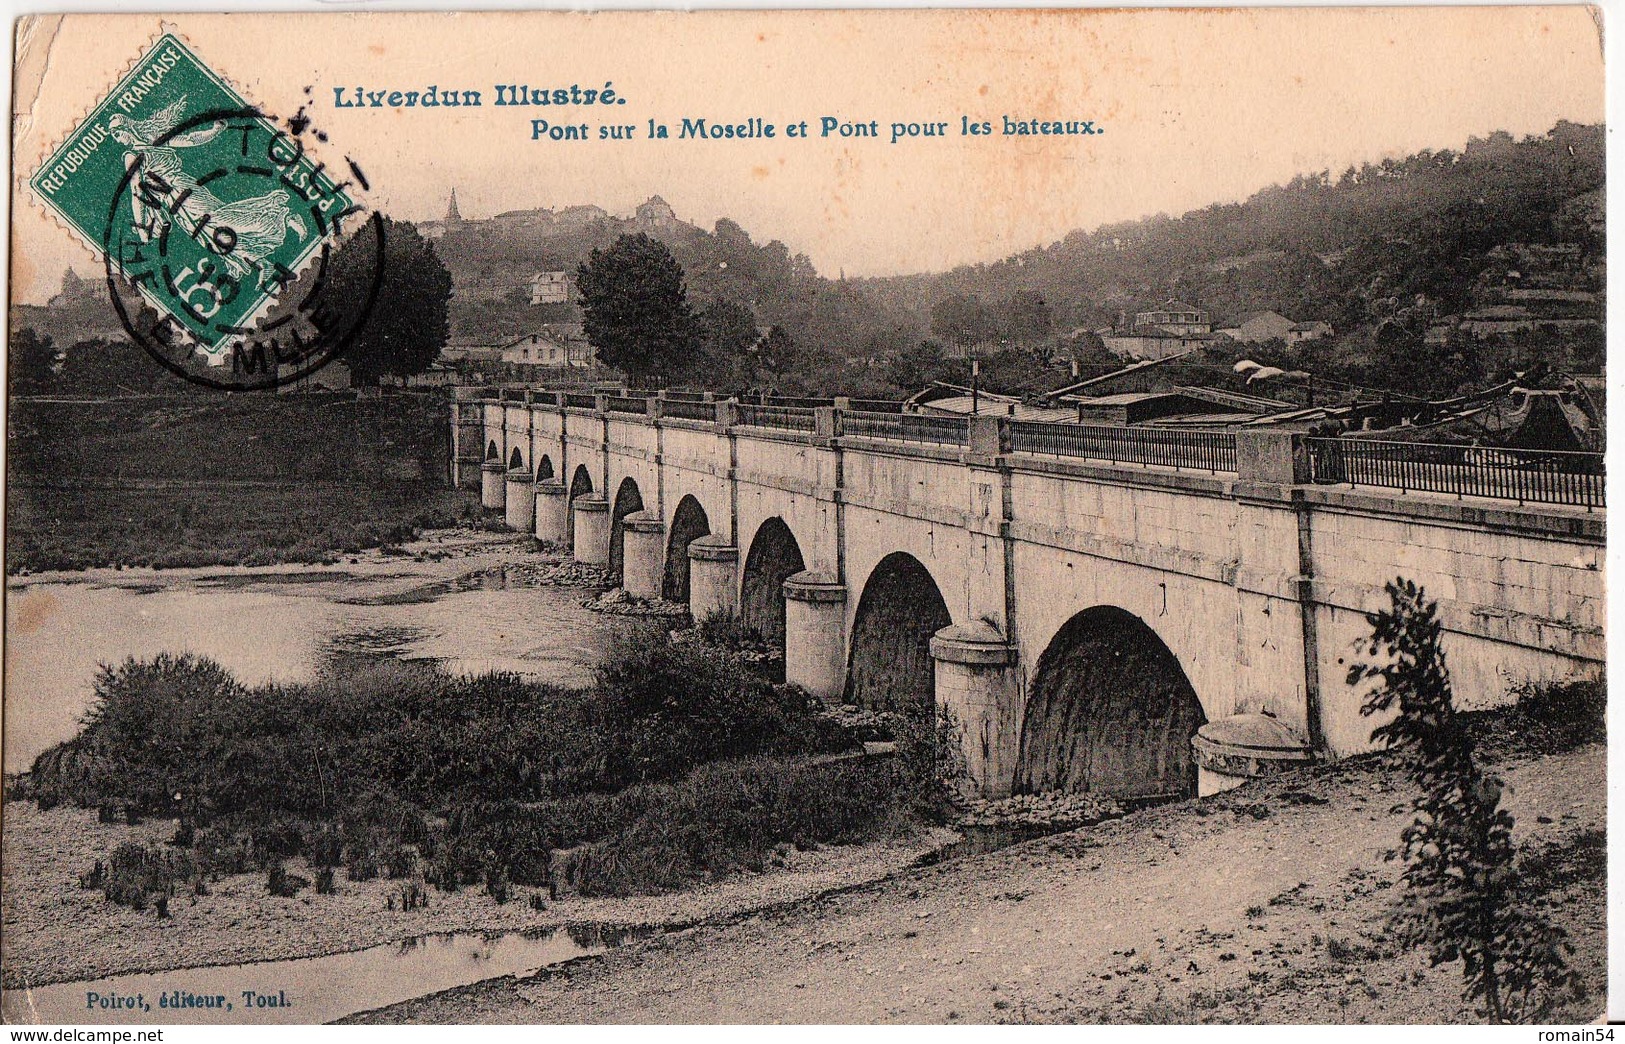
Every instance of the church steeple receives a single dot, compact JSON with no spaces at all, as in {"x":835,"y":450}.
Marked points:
{"x":452,"y":216}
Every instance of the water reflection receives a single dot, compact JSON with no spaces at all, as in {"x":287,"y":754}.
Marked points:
{"x":315,"y":989}
{"x":284,"y":627}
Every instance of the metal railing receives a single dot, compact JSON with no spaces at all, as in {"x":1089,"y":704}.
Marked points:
{"x":580,"y":401}
{"x":688,"y":409}
{"x":796,"y":402}
{"x":789,"y":418}
{"x":1526,"y":476}
{"x":1188,"y":450}
{"x":906,"y":427}
{"x":876,"y":405}
{"x":626,"y":404}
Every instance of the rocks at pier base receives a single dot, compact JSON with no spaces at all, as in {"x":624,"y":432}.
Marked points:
{"x":556,"y":573}
{"x":619,"y":603}
{"x":1047,"y":812}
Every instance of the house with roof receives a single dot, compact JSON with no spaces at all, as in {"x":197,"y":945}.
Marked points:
{"x":1258,"y":327}
{"x":1151,"y":342}
{"x":655,"y":215}
{"x":554,"y":344}
{"x":1175,"y":317}
{"x":1313,"y":330}
{"x":1171,"y":328}
{"x":551,"y":288}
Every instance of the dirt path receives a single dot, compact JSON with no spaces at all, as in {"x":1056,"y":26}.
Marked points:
{"x":1262,"y":905}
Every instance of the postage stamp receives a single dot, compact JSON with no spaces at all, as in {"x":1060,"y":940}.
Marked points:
{"x":209,"y":210}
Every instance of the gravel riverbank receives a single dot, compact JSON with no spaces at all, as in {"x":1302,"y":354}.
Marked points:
{"x":51,"y":930}
{"x":1267,"y":904}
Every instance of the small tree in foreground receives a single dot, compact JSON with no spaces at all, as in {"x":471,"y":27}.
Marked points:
{"x":1462,"y":896}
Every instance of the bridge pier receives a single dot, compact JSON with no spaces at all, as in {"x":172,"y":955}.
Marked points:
{"x":592,"y":530}
{"x":519,"y":511}
{"x":493,"y":493}
{"x":713,"y":577}
{"x":467,"y":438}
{"x":814,"y":647}
{"x":643,"y":558}
{"x":979,"y":690}
{"x":552,"y":513}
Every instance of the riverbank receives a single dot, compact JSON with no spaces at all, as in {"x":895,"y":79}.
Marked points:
{"x":55,"y":931}
{"x":1267,"y":904}
{"x":464,"y":597}
{"x":247,"y":480}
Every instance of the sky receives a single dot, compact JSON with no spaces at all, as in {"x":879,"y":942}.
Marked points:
{"x":1191,"y":107}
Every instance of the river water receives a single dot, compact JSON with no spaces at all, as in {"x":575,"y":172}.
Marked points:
{"x":480,"y":610}
{"x":471,"y":614}
{"x":307,"y":990}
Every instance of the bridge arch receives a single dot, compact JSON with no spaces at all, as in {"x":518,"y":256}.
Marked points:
{"x":889,"y":667}
{"x":491,"y":451}
{"x":516,"y":459}
{"x":1109,"y":711}
{"x":544,"y":468}
{"x":580,"y":486}
{"x":628,"y":499}
{"x":774,"y":557}
{"x":688,"y":524}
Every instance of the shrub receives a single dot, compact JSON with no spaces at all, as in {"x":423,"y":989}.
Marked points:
{"x":282,"y":884}
{"x":1559,"y":716}
{"x":137,"y":875}
{"x":325,"y":885}
{"x":731,"y":816}
{"x":1462,"y":896}
{"x":497,"y":884}
{"x":407,"y":772}
{"x":669,"y":707}
{"x":725,"y":630}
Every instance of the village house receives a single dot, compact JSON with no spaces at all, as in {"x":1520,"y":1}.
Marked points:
{"x":1313,"y":330}
{"x":550,"y":288}
{"x":1169,"y":329}
{"x":1175,"y":317}
{"x":1258,"y":327}
{"x":556,"y":344}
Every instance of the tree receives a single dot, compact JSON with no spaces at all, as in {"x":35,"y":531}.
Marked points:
{"x":103,"y":367}
{"x":409,"y":321}
{"x":916,"y":366}
{"x":32,"y":363}
{"x":962,"y":319}
{"x":1462,"y":886}
{"x":1026,"y":318}
{"x":729,"y":336}
{"x":636,"y":311}
{"x":777,"y":353}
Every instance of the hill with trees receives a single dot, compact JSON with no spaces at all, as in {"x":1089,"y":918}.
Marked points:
{"x":1350,"y":248}
{"x":1415,"y":262}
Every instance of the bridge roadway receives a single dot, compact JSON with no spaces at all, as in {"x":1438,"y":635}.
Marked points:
{"x":1073,"y":620}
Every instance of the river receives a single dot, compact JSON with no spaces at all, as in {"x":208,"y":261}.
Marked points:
{"x":310,"y":989}
{"x":476,"y":612}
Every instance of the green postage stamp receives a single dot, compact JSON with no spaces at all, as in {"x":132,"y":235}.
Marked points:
{"x":195,"y":198}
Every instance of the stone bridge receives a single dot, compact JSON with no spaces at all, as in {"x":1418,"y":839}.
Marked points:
{"x":1076,"y":602}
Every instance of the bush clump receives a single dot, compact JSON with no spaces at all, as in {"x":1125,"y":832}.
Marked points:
{"x":406,"y":772}
{"x":727,"y":817}
{"x":139,"y":876}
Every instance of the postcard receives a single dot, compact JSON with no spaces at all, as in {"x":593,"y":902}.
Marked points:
{"x":867,"y":516}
